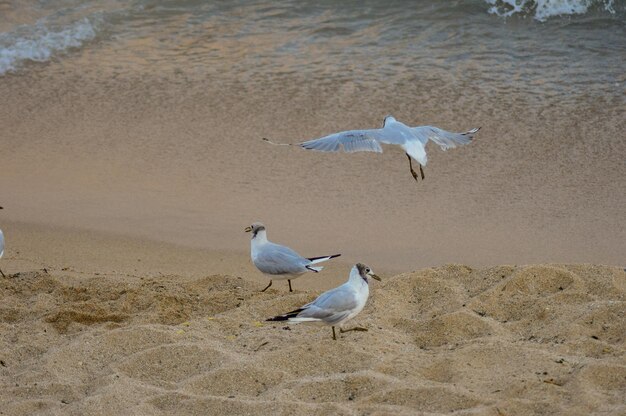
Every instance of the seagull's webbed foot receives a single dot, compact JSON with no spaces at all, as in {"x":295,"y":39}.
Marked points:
{"x":356,"y":328}
{"x":267,"y":287}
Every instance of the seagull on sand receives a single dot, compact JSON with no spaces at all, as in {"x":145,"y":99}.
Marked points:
{"x":279,"y":262}
{"x":412,"y":140}
{"x":337,"y":305}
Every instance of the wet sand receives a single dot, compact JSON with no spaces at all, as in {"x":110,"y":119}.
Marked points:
{"x":180,"y":160}
{"x":120,"y":326}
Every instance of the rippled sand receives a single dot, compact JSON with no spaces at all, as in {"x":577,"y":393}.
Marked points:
{"x":504,"y":340}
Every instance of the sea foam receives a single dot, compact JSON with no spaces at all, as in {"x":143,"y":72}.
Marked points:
{"x":543,"y":9}
{"x":38,"y":43}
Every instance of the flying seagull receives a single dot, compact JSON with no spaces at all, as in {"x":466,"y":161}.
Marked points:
{"x":337,"y":305}
{"x":279,"y":262}
{"x":412,"y":140}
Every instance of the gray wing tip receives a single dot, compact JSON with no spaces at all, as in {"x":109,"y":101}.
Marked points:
{"x":265,"y":139}
{"x":468,"y":136}
{"x":309,"y":146}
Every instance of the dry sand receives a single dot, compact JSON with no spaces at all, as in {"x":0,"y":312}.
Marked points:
{"x":115,"y":334}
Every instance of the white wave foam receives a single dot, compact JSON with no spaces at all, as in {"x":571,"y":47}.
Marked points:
{"x":544,"y":9}
{"x":41,"y":43}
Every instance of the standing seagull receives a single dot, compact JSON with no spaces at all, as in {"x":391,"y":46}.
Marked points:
{"x":337,"y":305}
{"x":279,"y":262}
{"x":412,"y":140}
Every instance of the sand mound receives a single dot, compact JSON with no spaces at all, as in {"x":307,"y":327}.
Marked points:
{"x":450,"y":329}
{"x":502,"y":341}
{"x":245,"y":380}
{"x":430,"y":399}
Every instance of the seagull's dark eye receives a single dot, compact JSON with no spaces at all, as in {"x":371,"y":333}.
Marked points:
{"x":367,"y":270}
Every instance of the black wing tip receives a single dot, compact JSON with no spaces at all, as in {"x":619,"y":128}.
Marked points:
{"x":277,"y":318}
{"x":323,"y":257}
{"x":311,"y":269}
{"x":285,"y":316}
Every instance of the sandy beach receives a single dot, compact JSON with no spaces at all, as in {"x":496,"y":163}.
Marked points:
{"x":127,"y":327}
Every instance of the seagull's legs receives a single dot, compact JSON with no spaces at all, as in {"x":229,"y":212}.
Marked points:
{"x":289,"y":280}
{"x":356,"y":328}
{"x":2,"y":273}
{"x":267,"y":287}
{"x":411,"y":167}
{"x":412,"y":171}
{"x":334,"y":336}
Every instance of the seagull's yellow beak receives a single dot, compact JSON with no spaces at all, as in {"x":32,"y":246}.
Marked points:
{"x":248,"y":229}
{"x":374,"y":276}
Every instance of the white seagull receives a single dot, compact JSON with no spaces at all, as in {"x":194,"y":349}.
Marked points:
{"x":412,"y":140}
{"x":337,"y":305}
{"x":279,"y":262}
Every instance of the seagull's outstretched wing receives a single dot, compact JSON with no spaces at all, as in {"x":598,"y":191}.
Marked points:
{"x":348,"y":141}
{"x":445,"y":139}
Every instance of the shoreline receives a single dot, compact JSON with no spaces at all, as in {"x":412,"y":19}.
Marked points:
{"x":89,"y":251}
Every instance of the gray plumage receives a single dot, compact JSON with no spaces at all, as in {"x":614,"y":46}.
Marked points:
{"x":277,"y":261}
{"x":337,"y":305}
{"x":412,"y":140}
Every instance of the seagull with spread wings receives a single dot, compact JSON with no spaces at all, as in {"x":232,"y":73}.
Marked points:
{"x":412,"y":140}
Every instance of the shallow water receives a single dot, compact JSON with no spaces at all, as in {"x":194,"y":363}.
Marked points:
{"x":145,"y":118}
